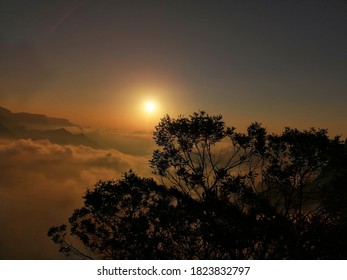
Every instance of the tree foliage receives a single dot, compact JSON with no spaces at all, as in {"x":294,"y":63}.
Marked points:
{"x":220,"y":194}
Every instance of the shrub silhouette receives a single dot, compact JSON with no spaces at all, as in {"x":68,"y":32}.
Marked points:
{"x":219,"y":195}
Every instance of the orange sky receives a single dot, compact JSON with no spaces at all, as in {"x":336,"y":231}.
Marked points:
{"x":282,"y":64}
{"x":96,"y":63}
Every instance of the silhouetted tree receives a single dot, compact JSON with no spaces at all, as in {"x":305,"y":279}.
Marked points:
{"x":133,"y":218}
{"x":223,"y":195}
{"x":210,"y":162}
{"x":198,"y":154}
{"x":114,"y":221}
{"x":295,"y":161}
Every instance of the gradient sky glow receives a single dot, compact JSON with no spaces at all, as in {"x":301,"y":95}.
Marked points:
{"x":99,"y":62}
{"x":282,"y":63}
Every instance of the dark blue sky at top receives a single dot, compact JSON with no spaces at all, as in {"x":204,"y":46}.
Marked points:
{"x":279,"y":62}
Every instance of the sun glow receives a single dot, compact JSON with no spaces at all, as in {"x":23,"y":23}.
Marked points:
{"x":150,"y":107}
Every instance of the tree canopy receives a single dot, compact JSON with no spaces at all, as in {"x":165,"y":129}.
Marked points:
{"x":219,"y":194}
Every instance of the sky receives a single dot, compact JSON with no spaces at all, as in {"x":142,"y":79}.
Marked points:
{"x":98,"y":63}
{"x":281,"y":63}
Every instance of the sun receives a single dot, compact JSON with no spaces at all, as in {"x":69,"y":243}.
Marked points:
{"x":150,"y":107}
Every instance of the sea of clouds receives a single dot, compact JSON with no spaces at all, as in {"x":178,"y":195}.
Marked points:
{"x":41,"y":183}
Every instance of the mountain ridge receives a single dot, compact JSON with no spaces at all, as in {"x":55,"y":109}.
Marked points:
{"x":15,"y":126}
{"x":30,"y":118}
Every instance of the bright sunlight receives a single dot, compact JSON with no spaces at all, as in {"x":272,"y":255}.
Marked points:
{"x":150,"y":107}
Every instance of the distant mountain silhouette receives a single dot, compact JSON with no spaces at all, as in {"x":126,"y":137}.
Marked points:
{"x":63,"y":137}
{"x":15,"y":126}
{"x":34,"y":119}
{"x":5,"y":132}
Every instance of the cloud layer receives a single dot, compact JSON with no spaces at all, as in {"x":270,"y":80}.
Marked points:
{"x":41,"y":183}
